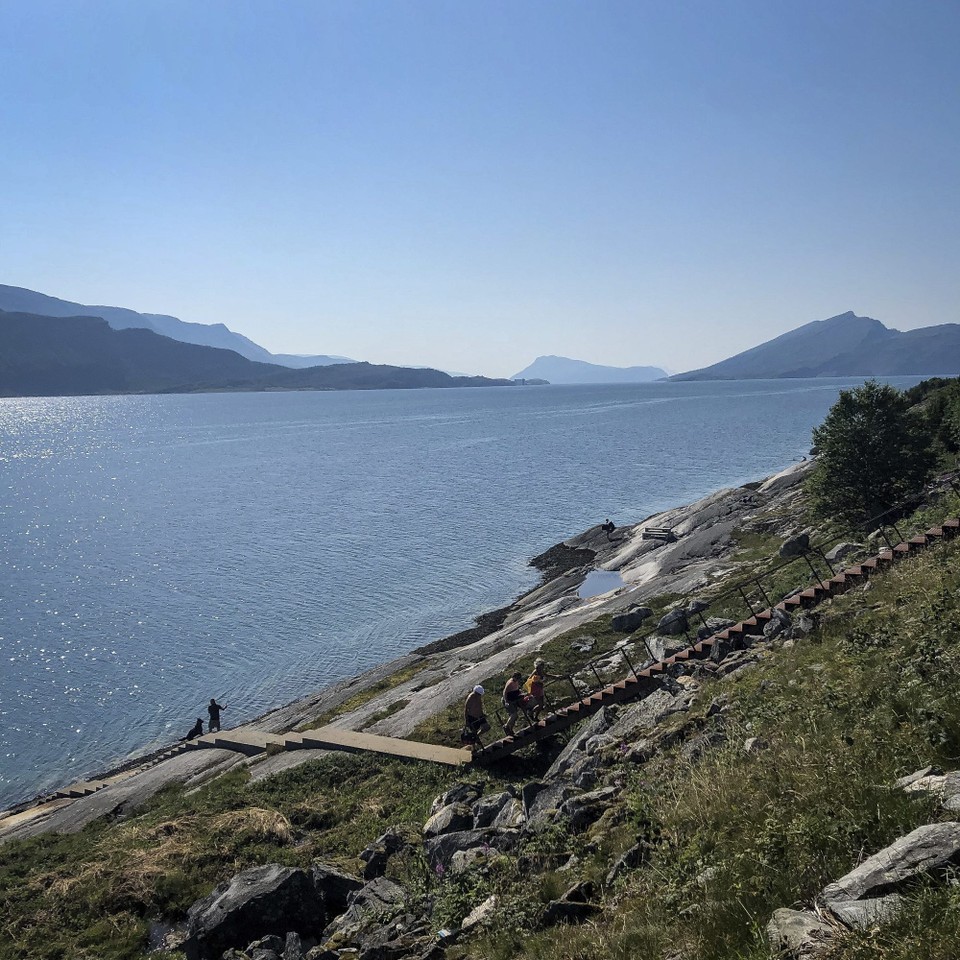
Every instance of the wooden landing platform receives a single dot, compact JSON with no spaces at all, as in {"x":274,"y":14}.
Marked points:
{"x":335,"y":738}
{"x":241,"y":740}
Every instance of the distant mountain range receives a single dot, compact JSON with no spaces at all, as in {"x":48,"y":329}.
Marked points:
{"x":565,"y":370}
{"x":21,"y":300}
{"x":68,"y":356}
{"x":843,"y":346}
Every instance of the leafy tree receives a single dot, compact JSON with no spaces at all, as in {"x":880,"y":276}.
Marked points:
{"x":873,"y":451}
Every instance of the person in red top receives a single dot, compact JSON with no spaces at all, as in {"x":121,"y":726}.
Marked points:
{"x":535,"y":687}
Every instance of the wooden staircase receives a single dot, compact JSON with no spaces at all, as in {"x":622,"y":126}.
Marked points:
{"x":645,"y":681}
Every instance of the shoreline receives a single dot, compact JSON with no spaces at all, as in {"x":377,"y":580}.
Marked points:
{"x":498,"y":636}
{"x":485,"y":623}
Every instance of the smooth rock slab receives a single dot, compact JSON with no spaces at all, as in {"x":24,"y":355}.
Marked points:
{"x":927,"y":849}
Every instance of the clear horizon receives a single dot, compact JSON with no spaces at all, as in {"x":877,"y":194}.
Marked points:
{"x":469,"y":186}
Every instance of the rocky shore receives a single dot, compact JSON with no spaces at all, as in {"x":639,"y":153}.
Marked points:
{"x":394,"y":698}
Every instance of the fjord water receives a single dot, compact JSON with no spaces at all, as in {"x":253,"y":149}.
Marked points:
{"x":161,"y":550}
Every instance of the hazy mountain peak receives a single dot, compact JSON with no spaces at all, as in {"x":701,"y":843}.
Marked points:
{"x":566,"y":370}
{"x":22,"y":300}
{"x":841,"y":346}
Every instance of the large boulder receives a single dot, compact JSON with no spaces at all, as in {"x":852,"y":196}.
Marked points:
{"x":865,"y":914}
{"x":261,"y":901}
{"x":795,"y":546}
{"x":630,"y":619}
{"x":541,"y":807}
{"x":511,"y":816}
{"x":572,"y":754}
{"x":440,"y":850}
{"x":842,"y":550}
{"x":459,"y":793}
{"x":673,"y":623}
{"x":376,"y":854}
{"x":778,"y":622}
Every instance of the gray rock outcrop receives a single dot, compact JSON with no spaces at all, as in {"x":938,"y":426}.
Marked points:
{"x":928,"y":849}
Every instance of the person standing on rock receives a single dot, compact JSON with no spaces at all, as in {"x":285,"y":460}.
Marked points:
{"x":474,"y":719}
{"x":214,"y":708}
{"x":512,"y":697}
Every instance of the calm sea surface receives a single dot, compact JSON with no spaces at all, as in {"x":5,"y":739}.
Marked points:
{"x":161,"y":550}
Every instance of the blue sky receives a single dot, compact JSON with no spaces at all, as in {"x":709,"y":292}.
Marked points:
{"x":470,"y":184}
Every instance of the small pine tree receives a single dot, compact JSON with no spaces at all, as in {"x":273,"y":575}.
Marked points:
{"x":872,"y":452}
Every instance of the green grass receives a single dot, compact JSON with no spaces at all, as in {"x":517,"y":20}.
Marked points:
{"x":387,"y":711}
{"x":100,"y":888}
{"x":363,"y":697}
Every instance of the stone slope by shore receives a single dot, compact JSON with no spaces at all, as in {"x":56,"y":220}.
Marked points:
{"x":431,"y":679}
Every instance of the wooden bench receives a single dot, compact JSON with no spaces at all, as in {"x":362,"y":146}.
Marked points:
{"x":658,"y":533}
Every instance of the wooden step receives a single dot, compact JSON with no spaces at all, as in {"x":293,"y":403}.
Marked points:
{"x":335,"y":738}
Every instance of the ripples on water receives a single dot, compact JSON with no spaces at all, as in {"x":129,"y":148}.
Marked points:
{"x":162,"y":550}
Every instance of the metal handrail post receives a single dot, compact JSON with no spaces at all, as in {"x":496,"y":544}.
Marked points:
{"x":763,"y":592}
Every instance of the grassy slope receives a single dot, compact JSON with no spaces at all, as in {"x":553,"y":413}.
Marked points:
{"x":734,"y":836}
{"x":730,"y":837}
